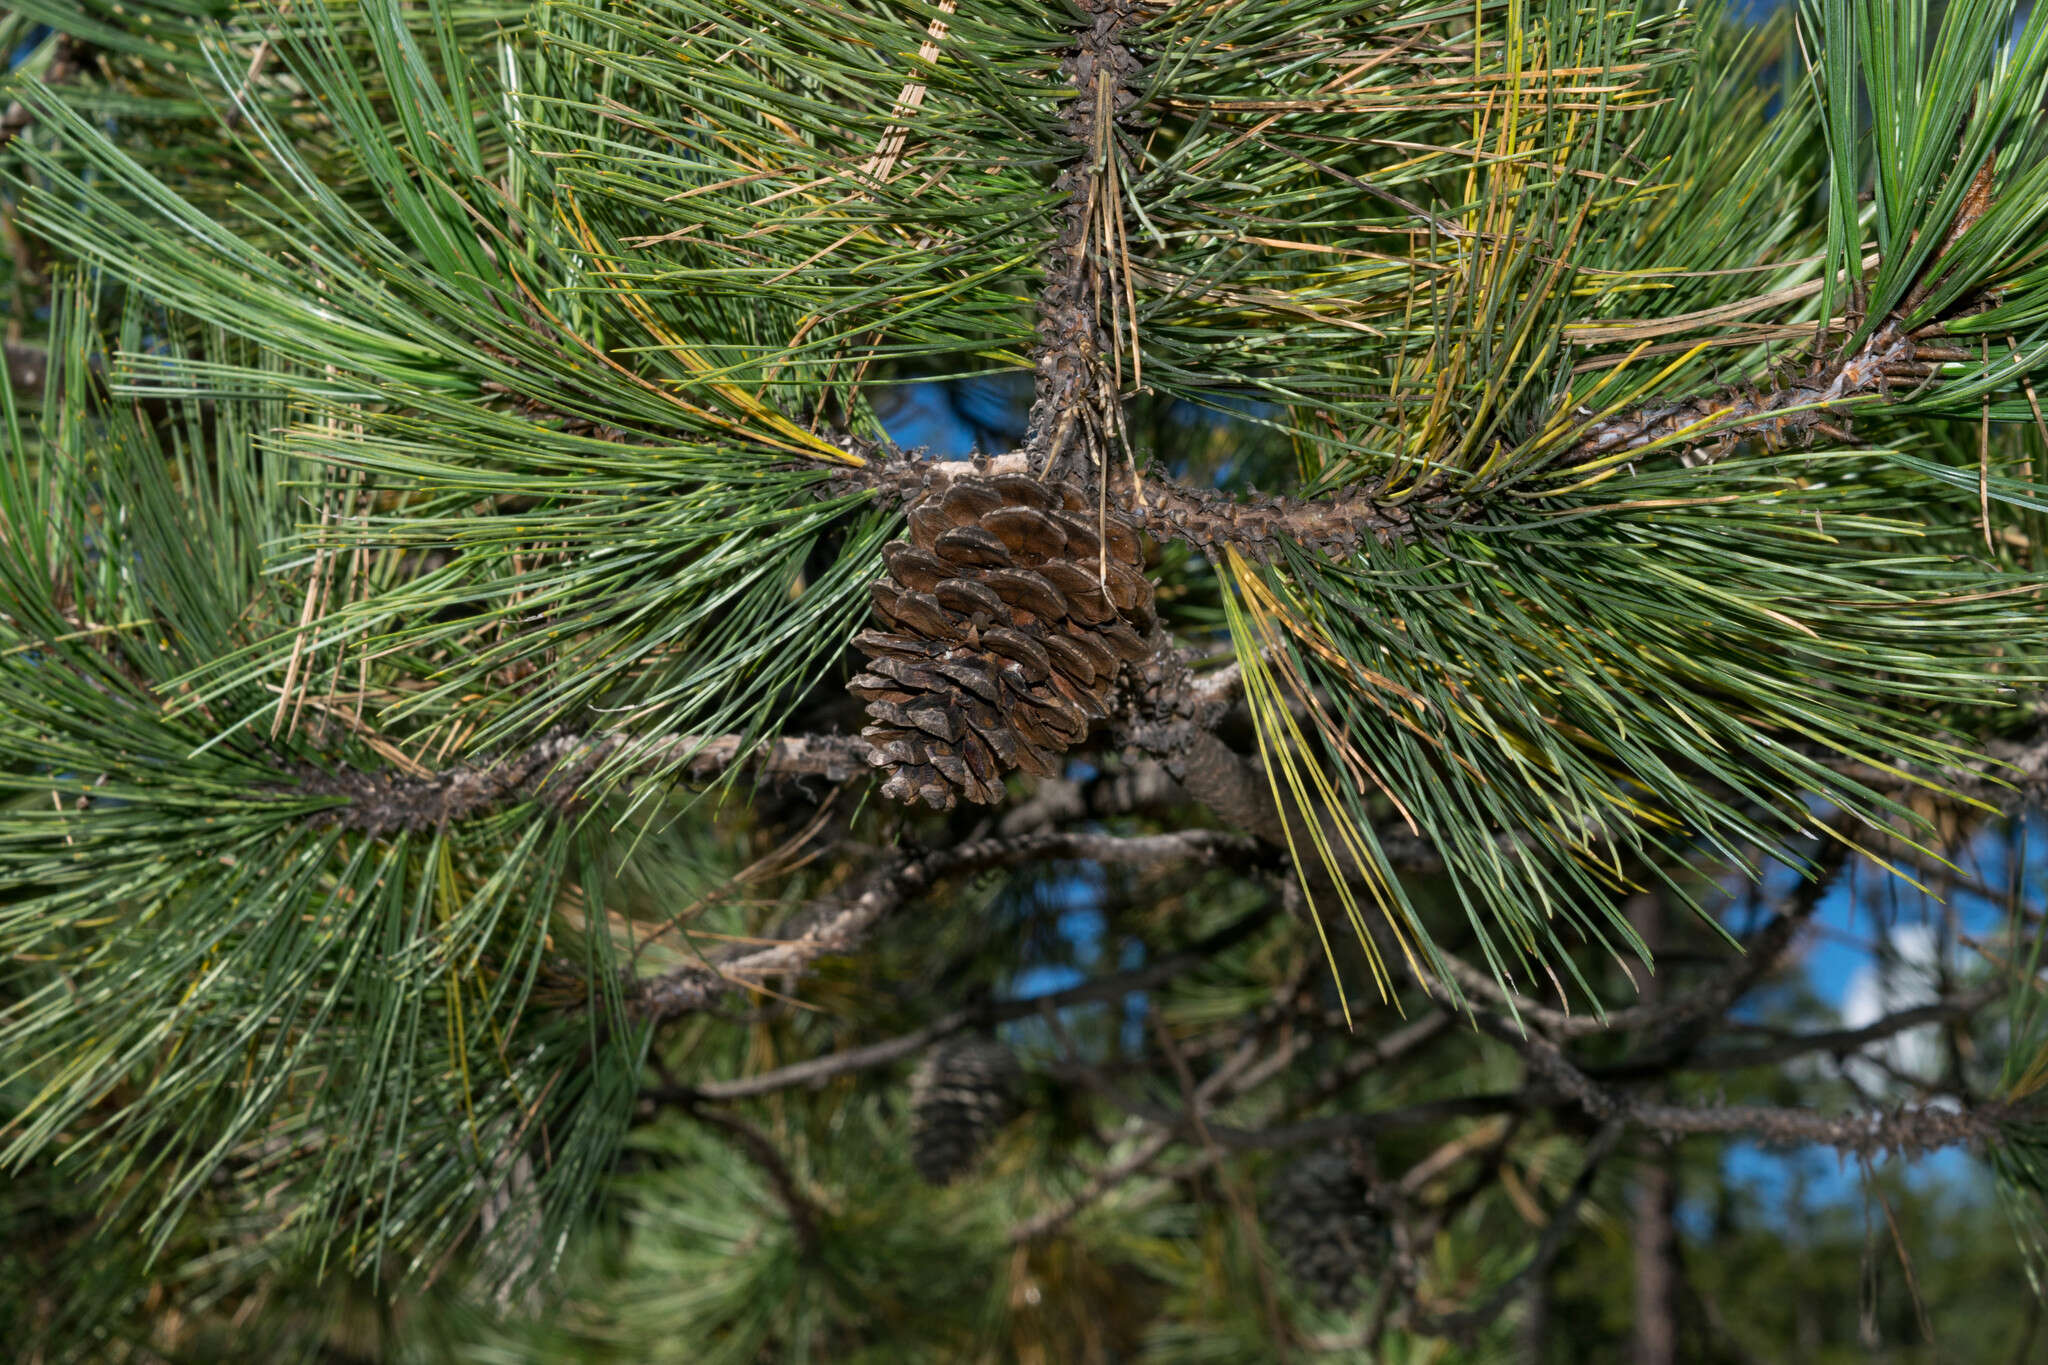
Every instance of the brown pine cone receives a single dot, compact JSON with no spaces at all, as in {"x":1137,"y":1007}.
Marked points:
{"x":961,"y":1093}
{"x":998,"y":643}
{"x":1320,"y":1219}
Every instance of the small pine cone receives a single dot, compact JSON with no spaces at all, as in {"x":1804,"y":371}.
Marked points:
{"x":960,"y":1095}
{"x":1319,"y":1219}
{"x":1003,"y":627}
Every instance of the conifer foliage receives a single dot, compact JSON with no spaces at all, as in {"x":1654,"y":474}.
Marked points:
{"x":498,"y":745}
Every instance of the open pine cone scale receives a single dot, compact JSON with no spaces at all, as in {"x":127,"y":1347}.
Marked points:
{"x":1004,"y":620}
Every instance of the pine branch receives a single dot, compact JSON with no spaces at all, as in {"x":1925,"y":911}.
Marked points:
{"x":836,"y":927}
{"x":1700,"y":430}
{"x":817,"y":1070}
{"x":1778,"y":419}
{"x":1904,"y":1132}
{"x":1907,"y":1132}
{"x":1075,"y":406}
{"x":1558,"y":1083}
{"x":553,"y":769}
{"x":1167,"y":510}
{"x":1840,"y":1042}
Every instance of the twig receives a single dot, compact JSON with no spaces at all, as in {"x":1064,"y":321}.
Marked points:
{"x":1907,"y":1132}
{"x":1709,"y":1001}
{"x":1075,"y":405}
{"x":817,"y":1070}
{"x":1050,"y":1220}
{"x":1841,"y":1042}
{"x":1370,"y":1056}
{"x":1904,"y":1131}
{"x":553,"y":768}
{"x":836,"y":927}
{"x":1216,"y":1086}
{"x":1467,"y":1324}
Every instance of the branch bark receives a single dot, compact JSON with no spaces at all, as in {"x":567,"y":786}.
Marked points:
{"x":817,"y":1070}
{"x":1075,"y":404}
{"x":836,"y":927}
{"x":1842,"y":1042}
{"x":1465,"y":1326}
{"x":553,"y":768}
{"x":1778,"y":418}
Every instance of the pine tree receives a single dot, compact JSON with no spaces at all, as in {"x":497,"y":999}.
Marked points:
{"x":507,"y":764}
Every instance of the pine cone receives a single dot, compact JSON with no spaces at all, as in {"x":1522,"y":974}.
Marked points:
{"x":961,"y":1094}
{"x":1319,"y":1219}
{"x":999,"y":644}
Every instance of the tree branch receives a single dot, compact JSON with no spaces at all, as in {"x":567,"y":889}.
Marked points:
{"x":1168,"y":510}
{"x":1075,"y":404}
{"x":835,"y":927}
{"x":1466,"y":1325}
{"x":1777,"y":419}
{"x":1339,"y":524}
{"x":817,"y":1070}
{"x":553,"y":768}
{"x":1907,"y":1132}
{"x":1841,"y":1042}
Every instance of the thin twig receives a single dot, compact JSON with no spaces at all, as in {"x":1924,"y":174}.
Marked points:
{"x":817,"y":1070}
{"x":836,"y":927}
{"x":1467,"y":1324}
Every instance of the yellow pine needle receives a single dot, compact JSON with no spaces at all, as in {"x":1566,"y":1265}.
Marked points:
{"x":1257,"y":589}
{"x":1863,"y":851}
{"x":2035,"y":1075}
{"x":808,"y":442}
{"x":1272,"y":604}
{"x":1280,"y":743}
{"x":447,"y":898}
{"x":1255,"y":697}
{"x":1621,"y":457}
